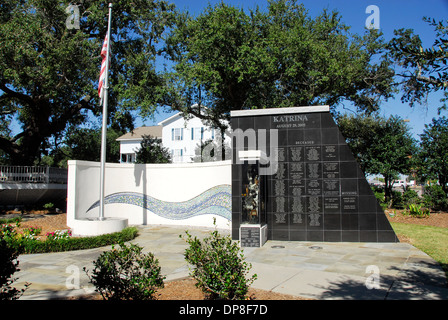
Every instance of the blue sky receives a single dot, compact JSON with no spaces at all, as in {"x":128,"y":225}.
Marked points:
{"x":394,"y":14}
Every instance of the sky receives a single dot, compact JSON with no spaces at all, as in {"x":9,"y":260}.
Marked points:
{"x":393,"y":14}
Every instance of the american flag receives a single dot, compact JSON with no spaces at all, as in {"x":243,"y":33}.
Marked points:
{"x":103,"y":67}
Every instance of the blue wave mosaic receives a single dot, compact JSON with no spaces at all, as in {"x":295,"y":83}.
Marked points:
{"x":216,"y":200}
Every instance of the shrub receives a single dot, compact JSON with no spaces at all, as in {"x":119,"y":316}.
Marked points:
{"x":397,"y":199}
{"x":411,"y":197}
{"x":8,"y":265}
{"x":10,"y":220}
{"x":219,"y":267}
{"x":126,"y":274}
{"x":435,"y":198}
{"x":60,"y":240}
{"x":67,"y":243}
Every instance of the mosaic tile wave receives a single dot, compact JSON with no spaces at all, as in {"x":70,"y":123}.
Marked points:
{"x":216,"y":200}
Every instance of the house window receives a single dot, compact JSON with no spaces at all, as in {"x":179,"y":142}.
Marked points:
{"x":197,"y":133}
{"x":127,"y":157}
{"x":177,"y":134}
{"x":177,"y":154}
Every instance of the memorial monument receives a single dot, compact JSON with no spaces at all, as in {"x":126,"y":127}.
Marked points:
{"x":294,"y":178}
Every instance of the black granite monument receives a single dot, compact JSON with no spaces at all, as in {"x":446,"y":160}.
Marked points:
{"x":305,"y":183}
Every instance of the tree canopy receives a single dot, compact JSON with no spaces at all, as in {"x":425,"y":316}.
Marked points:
{"x":381,"y":145}
{"x":49,"y":72}
{"x":152,"y":151}
{"x":434,"y":152}
{"x":227,"y":59}
{"x":422,"y":70}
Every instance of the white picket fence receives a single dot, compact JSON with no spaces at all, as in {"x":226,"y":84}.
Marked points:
{"x":32,"y":174}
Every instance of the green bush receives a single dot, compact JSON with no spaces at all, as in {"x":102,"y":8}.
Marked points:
{"x":411,"y":197}
{"x":219,"y":267}
{"x":397,"y":199}
{"x":126,"y":274}
{"x":10,"y":220}
{"x":435,"y":198}
{"x":8,"y":265}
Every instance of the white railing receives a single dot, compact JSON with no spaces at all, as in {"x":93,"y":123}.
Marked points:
{"x":31,"y":174}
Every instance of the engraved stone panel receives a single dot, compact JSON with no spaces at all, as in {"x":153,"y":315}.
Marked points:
{"x":296,"y":154}
{"x":297,"y":204}
{"x":312,"y":153}
{"x":330,"y":170}
{"x":332,"y":204}
{"x":318,"y":192}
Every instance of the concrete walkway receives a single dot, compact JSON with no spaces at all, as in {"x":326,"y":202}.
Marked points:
{"x":320,"y":270}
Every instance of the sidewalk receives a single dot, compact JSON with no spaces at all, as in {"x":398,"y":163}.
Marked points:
{"x":318,"y":270}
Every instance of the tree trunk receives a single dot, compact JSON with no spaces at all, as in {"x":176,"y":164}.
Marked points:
{"x":388,"y":184}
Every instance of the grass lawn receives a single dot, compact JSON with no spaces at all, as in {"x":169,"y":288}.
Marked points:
{"x":431,"y":240}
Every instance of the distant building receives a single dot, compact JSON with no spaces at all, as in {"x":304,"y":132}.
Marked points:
{"x":130,"y":142}
{"x":180,"y":136}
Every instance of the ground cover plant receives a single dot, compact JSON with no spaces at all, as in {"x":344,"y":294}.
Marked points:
{"x":30,"y":240}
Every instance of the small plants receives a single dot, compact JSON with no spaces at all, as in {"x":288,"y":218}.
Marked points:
{"x":125,"y":273}
{"x":59,"y":235}
{"x":32,"y":231}
{"x":30,"y":239}
{"x":219,"y":266}
{"x":416,"y":210}
{"x":49,"y":206}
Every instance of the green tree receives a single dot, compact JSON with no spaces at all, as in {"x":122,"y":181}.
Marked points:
{"x":152,"y":151}
{"x":381,"y":146}
{"x":433,"y":156}
{"x":228,"y":60}
{"x":83,"y":144}
{"x":422,"y":70}
{"x":49,"y":73}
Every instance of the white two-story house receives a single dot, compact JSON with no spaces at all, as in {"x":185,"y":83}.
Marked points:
{"x":180,"y":136}
{"x":130,"y":142}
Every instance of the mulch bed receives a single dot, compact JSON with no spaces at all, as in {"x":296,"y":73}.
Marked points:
{"x":437,"y":219}
{"x":185,"y":289}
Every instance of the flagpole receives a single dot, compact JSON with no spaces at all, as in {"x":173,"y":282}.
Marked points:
{"x":104,"y":129}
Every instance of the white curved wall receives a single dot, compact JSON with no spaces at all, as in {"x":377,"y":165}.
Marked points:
{"x":170,"y":183}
